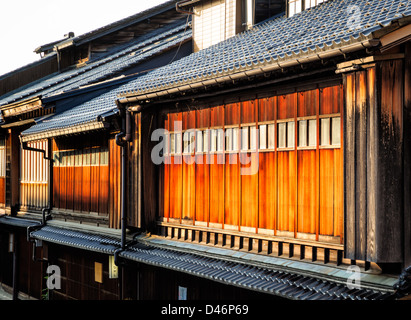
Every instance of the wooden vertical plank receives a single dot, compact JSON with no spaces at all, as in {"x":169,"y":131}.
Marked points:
{"x":56,"y":179}
{"x":317,"y":167}
{"x":249,"y":177}
{"x":296,"y":164}
{"x":70,"y":182}
{"x":94,"y":183}
{"x":188,"y":181}
{"x":326,"y":192}
{"x":267,"y":191}
{"x":216,"y":188}
{"x":372,"y":162}
{"x":166,"y":172}
{"x":338,"y":194}
{"x":86,"y":175}
{"x":202,"y":180}
{"x":276,"y":192}
{"x":361,"y":164}
{"x":188,"y":206}
{"x":111,"y":183}
{"x":103,"y":189}
{"x":390,"y":163}
{"x":349,"y":167}
{"x":78,"y":184}
{"x":217,"y":172}
{"x":407,"y":155}
{"x":232,"y":185}
{"x":306,"y":191}
{"x":286,"y":191}
{"x":249,"y":190}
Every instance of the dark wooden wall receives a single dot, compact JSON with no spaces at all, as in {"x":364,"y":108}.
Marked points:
{"x":407,"y":155}
{"x":134,"y":172}
{"x":26,"y":75}
{"x":13,"y":169}
{"x":374,"y":163}
{"x":78,"y":275}
{"x":146,"y":282}
{"x":2,"y":171}
{"x":30,"y":274}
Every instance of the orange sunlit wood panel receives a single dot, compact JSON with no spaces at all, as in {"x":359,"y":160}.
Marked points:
{"x":188,"y":182}
{"x":216,"y":188}
{"x":297,"y":186}
{"x":267,"y":192}
{"x":249,"y":190}
{"x":2,"y":191}
{"x":326,"y":192}
{"x":232,"y":189}
{"x":78,"y":186}
{"x":202,"y":187}
{"x":286,"y":191}
{"x":307,"y":192}
{"x":176,"y":188}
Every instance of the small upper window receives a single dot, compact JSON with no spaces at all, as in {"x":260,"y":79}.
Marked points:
{"x":331,"y":131}
{"x":296,"y":6}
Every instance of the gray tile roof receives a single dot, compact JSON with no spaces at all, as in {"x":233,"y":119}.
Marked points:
{"x":18,"y":222}
{"x":330,"y":25}
{"x":76,"y":239}
{"x":88,"y":111}
{"x":289,"y":285}
{"x":114,"y":62}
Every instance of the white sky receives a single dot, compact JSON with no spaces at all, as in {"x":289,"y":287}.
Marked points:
{"x":28,"y":24}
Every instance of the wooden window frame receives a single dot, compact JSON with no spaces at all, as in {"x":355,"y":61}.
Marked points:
{"x":330,"y":144}
{"x":307,"y":146}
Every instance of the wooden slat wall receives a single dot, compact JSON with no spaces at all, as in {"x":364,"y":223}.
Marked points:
{"x":208,"y":29}
{"x":407,"y":155}
{"x":2,"y":172}
{"x":374,"y":163}
{"x":87,"y":182}
{"x":114,"y":203}
{"x":134,"y":172}
{"x":216,"y":212}
{"x":34,"y":177}
{"x":295,"y":192}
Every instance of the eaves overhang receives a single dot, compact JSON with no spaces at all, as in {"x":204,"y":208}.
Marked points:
{"x":21,"y":107}
{"x":81,"y":128}
{"x":241,"y":269}
{"x":253,"y":69}
{"x":263,"y":62}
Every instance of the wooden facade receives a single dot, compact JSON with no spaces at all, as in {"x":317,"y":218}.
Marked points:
{"x":297,"y":189}
{"x":86,"y":178}
{"x":374,"y":162}
{"x":34,"y":177}
{"x":2,"y":172}
{"x":216,"y":21}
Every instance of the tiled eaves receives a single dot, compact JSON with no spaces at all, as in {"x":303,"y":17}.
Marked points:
{"x":114,"y":61}
{"x":86,"y":113}
{"x":212,"y":265}
{"x":318,"y":33}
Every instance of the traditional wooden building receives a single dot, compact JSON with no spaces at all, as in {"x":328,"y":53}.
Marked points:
{"x":287,"y":140}
{"x":269,"y":163}
{"x":70,"y":170}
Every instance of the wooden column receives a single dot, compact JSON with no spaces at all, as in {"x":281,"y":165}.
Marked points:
{"x":407,"y":156}
{"x":373,"y":163}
